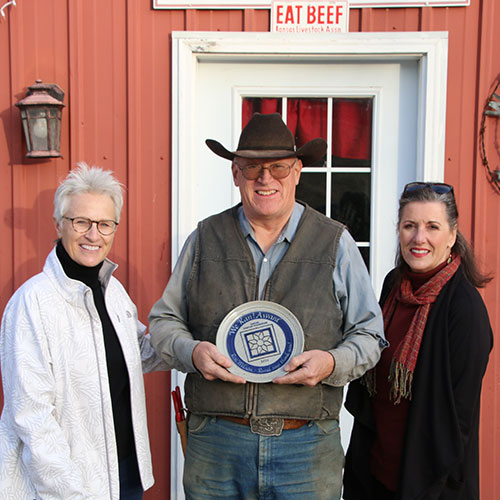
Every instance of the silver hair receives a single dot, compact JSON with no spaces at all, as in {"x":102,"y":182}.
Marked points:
{"x":85,"y":179}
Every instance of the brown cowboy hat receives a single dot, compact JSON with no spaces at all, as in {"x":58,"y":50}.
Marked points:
{"x":266,"y":136}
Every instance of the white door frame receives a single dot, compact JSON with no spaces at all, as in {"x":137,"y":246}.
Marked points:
{"x":429,"y":49}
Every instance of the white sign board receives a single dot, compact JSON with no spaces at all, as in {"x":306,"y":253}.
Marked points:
{"x":410,"y":3}
{"x":266,"y":4}
{"x":314,"y":16}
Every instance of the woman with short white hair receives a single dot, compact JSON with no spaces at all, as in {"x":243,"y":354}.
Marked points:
{"x":73,"y":353}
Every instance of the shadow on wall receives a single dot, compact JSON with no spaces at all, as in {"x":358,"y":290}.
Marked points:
{"x":33,"y":237}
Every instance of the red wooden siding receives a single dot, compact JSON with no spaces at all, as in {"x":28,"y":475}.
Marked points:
{"x":113,"y":59}
{"x":486,"y":233}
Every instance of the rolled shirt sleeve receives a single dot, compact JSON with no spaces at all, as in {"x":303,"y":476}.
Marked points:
{"x":150,"y":359}
{"x":363,"y":332}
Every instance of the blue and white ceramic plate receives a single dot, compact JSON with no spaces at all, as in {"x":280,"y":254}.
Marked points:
{"x":260,"y":337}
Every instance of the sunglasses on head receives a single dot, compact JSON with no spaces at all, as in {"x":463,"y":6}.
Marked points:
{"x":437,"y":187}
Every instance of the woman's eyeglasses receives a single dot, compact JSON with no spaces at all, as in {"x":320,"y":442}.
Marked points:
{"x":82,"y":225}
{"x":437,"y":187}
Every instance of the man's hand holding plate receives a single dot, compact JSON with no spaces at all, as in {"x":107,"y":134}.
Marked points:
{"x":213,"y":365}
{"x":308,"y":368}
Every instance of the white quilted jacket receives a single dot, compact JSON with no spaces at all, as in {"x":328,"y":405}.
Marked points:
{"x":57,"y":436}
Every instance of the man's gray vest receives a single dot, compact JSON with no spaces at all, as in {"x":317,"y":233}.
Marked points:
{"x":224,"y":276}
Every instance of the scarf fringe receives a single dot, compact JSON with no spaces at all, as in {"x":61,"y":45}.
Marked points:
{"x":402,"y":379}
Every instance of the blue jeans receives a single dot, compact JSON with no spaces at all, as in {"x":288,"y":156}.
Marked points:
{"x":130,"y":480}
{"x":226,"y":460}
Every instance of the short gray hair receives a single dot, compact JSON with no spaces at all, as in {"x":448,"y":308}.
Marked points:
{"x":85,"y":179}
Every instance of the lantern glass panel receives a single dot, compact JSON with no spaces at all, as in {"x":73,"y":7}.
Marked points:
{"x":24,"y":120}
{"x":38,"y":122}
{"x":54,"y":129}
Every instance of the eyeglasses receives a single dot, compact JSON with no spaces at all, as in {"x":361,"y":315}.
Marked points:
{"x":277,"y":170}
{"x":82,"y":225}
{"x":437,"y":187}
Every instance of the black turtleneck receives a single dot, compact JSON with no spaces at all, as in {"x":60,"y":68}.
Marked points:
{"x":117,"y":369}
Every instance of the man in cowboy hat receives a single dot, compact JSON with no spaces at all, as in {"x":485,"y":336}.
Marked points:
{"x":279,"y":439}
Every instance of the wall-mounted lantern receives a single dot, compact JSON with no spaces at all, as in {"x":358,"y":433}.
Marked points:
{"x":41,"y":112}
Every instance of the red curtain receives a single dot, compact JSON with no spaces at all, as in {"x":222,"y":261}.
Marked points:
{"x":352,"y":128}
{"x":264,"y":105}
{"x":307,"y":119}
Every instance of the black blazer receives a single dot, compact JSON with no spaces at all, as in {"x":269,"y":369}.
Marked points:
{"x":440,"y":459}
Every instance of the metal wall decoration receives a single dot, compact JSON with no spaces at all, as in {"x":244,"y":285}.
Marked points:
{"x":5,"y":5}
{"x":491,"y":109}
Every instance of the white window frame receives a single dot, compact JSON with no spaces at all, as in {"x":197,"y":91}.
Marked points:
{"x":429,"y":49}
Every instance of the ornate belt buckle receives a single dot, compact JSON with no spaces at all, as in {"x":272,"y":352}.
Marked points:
{"x":267,"y":426}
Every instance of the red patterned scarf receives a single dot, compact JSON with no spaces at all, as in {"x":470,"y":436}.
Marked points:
{"x":405,"y":358}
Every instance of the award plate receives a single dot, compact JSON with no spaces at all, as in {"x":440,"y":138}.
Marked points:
{"x":260,"y":338}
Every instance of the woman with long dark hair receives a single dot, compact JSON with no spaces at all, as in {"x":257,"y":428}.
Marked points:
{"x":415,"y":434}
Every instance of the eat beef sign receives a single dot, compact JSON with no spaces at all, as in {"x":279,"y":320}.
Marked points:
{"x":310,"y":17}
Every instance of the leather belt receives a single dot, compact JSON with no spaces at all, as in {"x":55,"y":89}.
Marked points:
{"x":288,"y":423}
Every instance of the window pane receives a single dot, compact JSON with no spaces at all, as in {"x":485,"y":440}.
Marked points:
{"x":352,"y":132}
{"x":312,"y":190}
{"x":365,"y":253}
{"x":264,"y":105}
{"x":307,"y":119}
{"x":351,"y":203}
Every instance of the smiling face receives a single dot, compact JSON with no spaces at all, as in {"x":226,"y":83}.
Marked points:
{"x":266,"y":198}
{"x":425,"y":236}
{"x":90,"y":248}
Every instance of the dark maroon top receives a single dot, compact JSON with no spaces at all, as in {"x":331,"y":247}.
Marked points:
{"x":391,"y":418}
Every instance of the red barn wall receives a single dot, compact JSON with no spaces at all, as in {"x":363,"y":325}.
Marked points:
{"x":113,"y":59}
